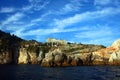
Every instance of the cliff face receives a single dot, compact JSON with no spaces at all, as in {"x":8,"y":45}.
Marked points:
{"x":70,"y":54}
{"x":109,"y":55}
{"x":52,"y":53}
{"x":26,"y":57}
{"x":28,"y":52}
{"x":8,"y":47}
{"x":55,"y":52}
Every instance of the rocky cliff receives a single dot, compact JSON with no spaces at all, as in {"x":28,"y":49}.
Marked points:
{"x":55,"y":52}
{"x":9,"y":45}
{"x":115,"y":55}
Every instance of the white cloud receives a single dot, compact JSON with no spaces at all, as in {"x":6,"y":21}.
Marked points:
{"x":74,"y":5}
{"x":27,"y":8}
{"x":13,"y":18}
{"x":95,"y":32}
{"x":18,"y":26}
{"x":41,"y":32}
{"x":102,"y":2}
{"x":37,"y":4}
{"x":18,"y":32}
{"x":18,"y":23}
{"x":7,"y":10}
{"x":86,"y":17}
{"x":99,"y":4}
{"x":100,"y":41}
{"x":41,"y":18}
{"x":71,"y":6}
{"x":13,"y":23}
{"x":34,"y":5}
{"x":13,"y":28}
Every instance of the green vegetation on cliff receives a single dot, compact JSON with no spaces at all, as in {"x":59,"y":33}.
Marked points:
{"x":7,"y":41}
{"x":15,"y":49}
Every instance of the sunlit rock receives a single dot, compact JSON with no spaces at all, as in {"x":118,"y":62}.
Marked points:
{"x":116,"y":44}
{"x":23,"y":56}
{"x":54,"y":58}
{"x":115,"y":56}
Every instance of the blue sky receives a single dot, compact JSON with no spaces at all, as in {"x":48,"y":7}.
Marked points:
{"x":84,"y":21}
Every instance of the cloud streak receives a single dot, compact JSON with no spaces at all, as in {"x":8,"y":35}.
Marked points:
{"x":12,"y":18}
{"x":43,"y":32}
{"x":95,"y":32}
{"x":7,"y":10}
{"x":36,"y":5}
{"x":106,"y":41}
{"x":101,"y":34}
{"x":102,"y":2}
{"x":73,"y":6}
{"x":86,"y":17}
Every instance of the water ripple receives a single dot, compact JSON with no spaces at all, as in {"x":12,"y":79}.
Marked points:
{"x":35,"y":72}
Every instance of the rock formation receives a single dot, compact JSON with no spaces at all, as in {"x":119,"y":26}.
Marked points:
{"x":23,"y":56}
{"x":116,"y":45}
{"x":55,"y":52}
{"x":54,"y":58}
{"x":5,"y":57}
{"x":40,"y":57}
{"x":115,"y":56}
{"x":109,"y":55}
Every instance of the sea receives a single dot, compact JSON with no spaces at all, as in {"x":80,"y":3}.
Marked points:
{"x":36,"y":72}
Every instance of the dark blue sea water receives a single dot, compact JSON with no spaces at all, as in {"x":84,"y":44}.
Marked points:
{"x":35,"y":72}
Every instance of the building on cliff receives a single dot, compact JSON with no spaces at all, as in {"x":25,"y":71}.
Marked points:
{"x":55,"y":42}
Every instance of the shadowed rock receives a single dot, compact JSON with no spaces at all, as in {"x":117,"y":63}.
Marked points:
{"x":48,"y":60}
{"x":40,"y":57}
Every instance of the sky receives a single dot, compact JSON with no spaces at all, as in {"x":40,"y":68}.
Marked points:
{"x":80,"y":21}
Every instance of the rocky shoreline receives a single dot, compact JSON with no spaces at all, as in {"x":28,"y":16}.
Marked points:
{"x":56,"y":53}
